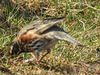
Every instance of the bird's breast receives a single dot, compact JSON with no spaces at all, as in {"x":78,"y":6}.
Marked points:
{"x":30,"y":44}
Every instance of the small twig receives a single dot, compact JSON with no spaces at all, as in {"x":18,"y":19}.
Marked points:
{"x":91,"y":7}
{"x":83,"y":24}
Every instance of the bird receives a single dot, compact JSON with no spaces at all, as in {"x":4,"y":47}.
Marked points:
{"x":38,"y":36}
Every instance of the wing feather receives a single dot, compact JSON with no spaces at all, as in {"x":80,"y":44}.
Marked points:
{"x":39,"y":26}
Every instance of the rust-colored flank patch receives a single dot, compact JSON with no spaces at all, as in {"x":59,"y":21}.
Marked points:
{"x":28,"y":36}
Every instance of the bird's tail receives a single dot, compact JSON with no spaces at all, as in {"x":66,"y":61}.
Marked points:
{"x":72,"y":40}
{"x":61,"y":35}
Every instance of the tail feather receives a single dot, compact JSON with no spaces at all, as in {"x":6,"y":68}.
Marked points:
{"x":69,"y":39}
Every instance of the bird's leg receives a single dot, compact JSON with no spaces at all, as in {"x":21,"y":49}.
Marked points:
{"x":37,"y":56}
{"x":48,"y":51}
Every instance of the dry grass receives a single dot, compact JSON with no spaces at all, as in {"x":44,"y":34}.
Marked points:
{"x":82,"y":22}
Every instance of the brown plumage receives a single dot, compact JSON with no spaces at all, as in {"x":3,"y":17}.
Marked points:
{"x":39,"y":35}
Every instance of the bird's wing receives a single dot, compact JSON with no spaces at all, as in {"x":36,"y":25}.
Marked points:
{"x":39,"y":26}
{"x":58,"y":33}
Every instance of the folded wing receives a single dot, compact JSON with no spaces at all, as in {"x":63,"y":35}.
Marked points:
{"x":39,"y":26}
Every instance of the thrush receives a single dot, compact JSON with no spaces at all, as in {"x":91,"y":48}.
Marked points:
{"x":38,"y":36}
